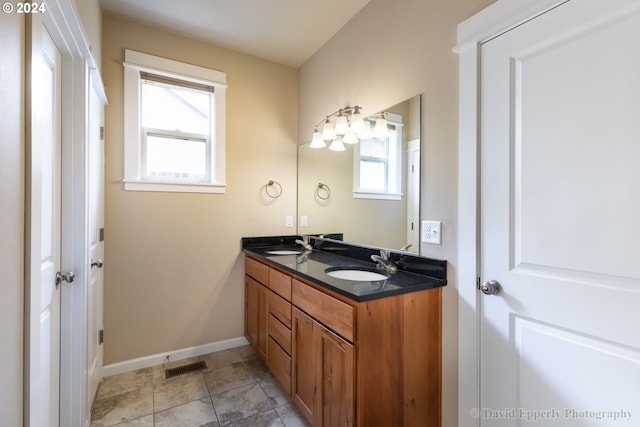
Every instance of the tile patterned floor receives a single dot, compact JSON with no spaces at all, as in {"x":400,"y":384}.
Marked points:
{"x":235,"y":390}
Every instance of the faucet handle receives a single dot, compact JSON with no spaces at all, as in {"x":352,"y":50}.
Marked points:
{"x":384,"y":254}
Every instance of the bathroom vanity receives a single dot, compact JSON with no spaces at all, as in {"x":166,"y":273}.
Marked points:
{"x":349,"y":352}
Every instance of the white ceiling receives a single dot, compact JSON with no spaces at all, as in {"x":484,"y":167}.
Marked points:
{"x":283,"y":31}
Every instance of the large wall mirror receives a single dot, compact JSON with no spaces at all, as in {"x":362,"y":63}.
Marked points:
{"x":370,"y":192}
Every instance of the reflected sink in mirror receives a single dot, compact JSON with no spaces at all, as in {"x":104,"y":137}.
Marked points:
{"x":356,"y":274}
{"x":283,"y":252}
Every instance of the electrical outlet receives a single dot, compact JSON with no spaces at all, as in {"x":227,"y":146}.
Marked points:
{"x":431,"y":232}
{"x":303,"y":221}
{"x":288,"y":221}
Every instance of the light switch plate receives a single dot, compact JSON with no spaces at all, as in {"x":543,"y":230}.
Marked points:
{"x":289,"y":221}
{"x":431,"y":232}
{"x":303,"y":220}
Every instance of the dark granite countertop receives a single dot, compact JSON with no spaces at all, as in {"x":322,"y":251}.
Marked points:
{"x":414,"y":273}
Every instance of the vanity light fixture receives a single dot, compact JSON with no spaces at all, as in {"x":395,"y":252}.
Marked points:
{"x":327,"y":130}
{"x":349,"y":128}
{"x":337,"y":144}
{"x":317,"y":141}
{"x":381,"y":130}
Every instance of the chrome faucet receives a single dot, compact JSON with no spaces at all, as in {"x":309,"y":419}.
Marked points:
{"x":305,"y":243}
{"x":383,"y":261}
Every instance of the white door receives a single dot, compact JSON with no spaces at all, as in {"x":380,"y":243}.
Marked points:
{"x":44,"y":238}
{"x":96,"y":246}
{"x":560,"y":218}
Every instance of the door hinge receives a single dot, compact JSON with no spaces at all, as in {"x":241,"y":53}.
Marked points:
{"x":101,"y":133}
{"x":100,"y":336}
{"x":101,"y":233}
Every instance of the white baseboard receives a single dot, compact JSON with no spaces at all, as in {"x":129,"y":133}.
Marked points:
{"x":158,"y":359}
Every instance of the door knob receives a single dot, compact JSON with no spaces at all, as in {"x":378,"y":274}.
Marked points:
{"x":66,"y":277}
{"x":491,"y":287}
{"x":97,"y":263}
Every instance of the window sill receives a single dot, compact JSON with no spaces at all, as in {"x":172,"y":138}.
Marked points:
{"x":174,"y":187}
{"x":379,"y":196}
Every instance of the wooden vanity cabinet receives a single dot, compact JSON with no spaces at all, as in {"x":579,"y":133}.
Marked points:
{"x":268,"y":318}
{"x":348,"y":363}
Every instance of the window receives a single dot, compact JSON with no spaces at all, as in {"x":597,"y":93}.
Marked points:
{"x":174,"y":126}
{"x":378,"y":164}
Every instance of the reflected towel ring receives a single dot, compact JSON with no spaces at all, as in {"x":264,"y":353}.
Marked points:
{"x":323,"y":188}
{"x":274,"y":194}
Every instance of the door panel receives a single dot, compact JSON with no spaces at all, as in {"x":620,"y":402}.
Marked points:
{"x":44,"y":228}
{"x":560,"y":139}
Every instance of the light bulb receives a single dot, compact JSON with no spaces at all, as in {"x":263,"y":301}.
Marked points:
{"x":381,"y":130}
{"x":316,"y":141}
{"x":327,"y":131}
{"x":337,"y":145}
{"x":341,"y":124}
{"x":357,"y":124}
{"x":367,"y":132}
{"x":350,"y":137}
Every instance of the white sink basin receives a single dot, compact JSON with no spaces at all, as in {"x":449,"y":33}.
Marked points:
{"x":356,"y":274}
{"x":283,"y":252}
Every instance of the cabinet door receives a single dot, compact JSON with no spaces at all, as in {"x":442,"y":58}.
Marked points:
{"x":251,"y":298}
{"x":263,"y":322}
{"x":303,"y":375}
{"x":335,"y":379}
{"x":256,"y":316}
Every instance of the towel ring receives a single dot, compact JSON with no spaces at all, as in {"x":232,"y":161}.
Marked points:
{"x":277,"y":192}
{"x":323,"y":191}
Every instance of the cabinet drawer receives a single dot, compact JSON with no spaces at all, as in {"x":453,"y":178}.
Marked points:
{"x":257,"y":270}
{"x":280,"y":308}
{"x":280,"y":365}
{"x":334,"y":314}
{"x":280,"y":333}
{"x":280,"y":283}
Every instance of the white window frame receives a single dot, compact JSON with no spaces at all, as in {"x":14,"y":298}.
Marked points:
{"x":136,"y":62}
{"x":360,"y":193}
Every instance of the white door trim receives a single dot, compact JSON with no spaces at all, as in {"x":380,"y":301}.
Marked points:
{"x":485,"y":25}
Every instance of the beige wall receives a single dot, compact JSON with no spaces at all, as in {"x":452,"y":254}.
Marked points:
{"x":11,"y":216}
{"x":173,"y":265}
{"x":416,"y":37}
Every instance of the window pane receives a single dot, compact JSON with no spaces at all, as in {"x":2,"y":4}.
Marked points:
{"x":176,"y":108}
{"x":372,"y":175}
{"x":373,"y":147}
{"x":176,"y":158}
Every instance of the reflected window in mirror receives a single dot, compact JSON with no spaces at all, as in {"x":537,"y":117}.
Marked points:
{"x":378,"y":163}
